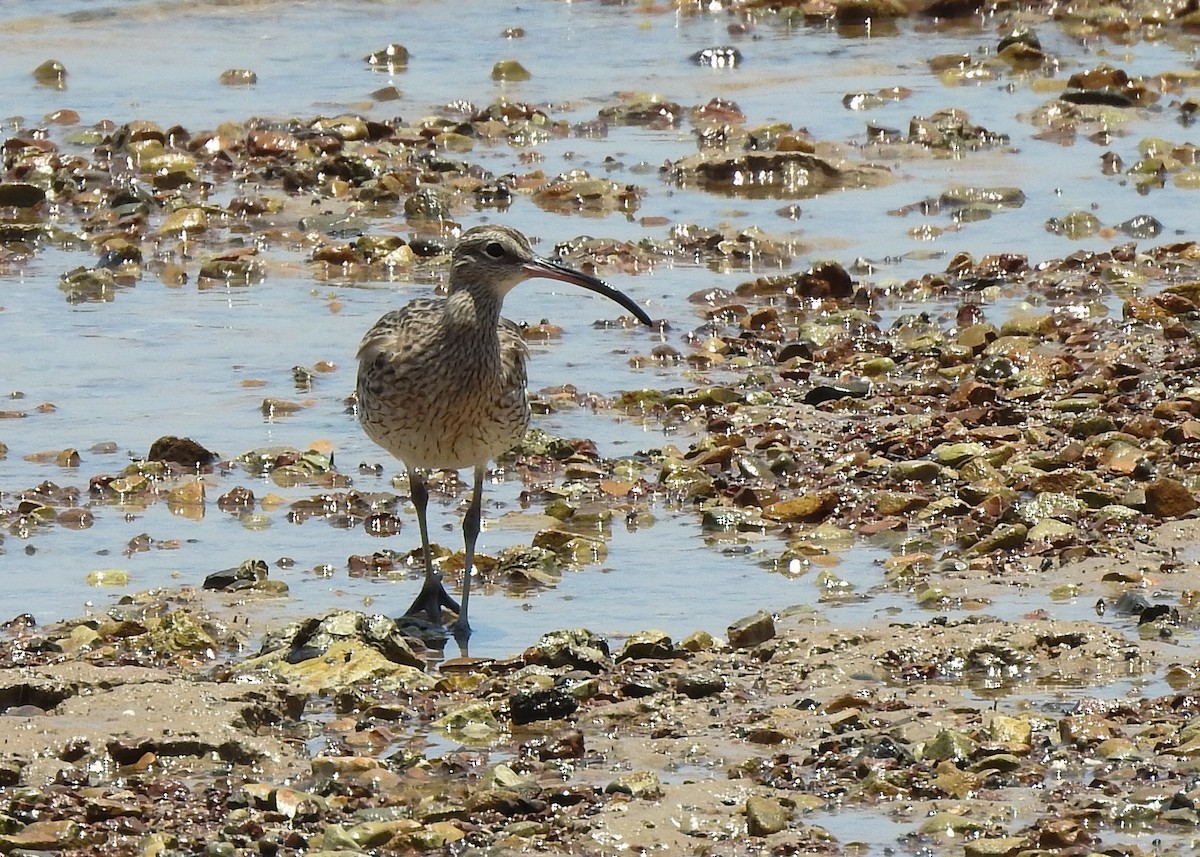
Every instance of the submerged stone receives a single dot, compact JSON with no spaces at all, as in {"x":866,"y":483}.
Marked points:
{"x":51,"y":73}
{"x":510,"y":70}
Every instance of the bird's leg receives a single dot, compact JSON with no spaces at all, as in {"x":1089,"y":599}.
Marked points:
{"x":462,"y":630}
{"x":433,"y":595}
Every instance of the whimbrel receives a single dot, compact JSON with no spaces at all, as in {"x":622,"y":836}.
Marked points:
{"x":441,"y":382}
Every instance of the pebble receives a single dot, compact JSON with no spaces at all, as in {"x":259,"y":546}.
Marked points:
{"x":765,"y":816}
{"x":697,"y":685}
{"x":751,"y":630}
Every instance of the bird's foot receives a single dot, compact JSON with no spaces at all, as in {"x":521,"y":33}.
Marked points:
{"x":430,"y":601}
{"x":461,"y":631}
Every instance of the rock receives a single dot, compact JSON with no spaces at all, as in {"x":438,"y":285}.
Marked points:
{"x":951,"y":824}
{"x":181,"y":450}
{"x":571,"y":547}
{"x":43,"y":836}
{"x":10,"y":771}
{"x":439,"y":834}
{"x":765,"y":816}
{"x":1001,"y":846}
{"x":1004,"y":537}
{"x":888,"y":503}
{"x":698,"y":685}
{"x":1050,"y":530}
{"x":502,"y":776}
{"x":950,"y":745}
{"x":862,"y":11}
{"x":646,"y":644}
{"x":243,"y":577}
{"x":1168,"y":498}
{"x":721,"y":57}
{"x":1186,"y":432}
{"x":752,"y":630}
{"x":52,"y":74}
{"x":297,"y":804}
{"x":1010,"y":730}
{"x":1003,"y":762}
{"x":345,"y":663}
{"x":427,"y":205}
{"x":647,"y":110}
{"x":567,"y":744}
{"x":1142,"y":226}
{"x":88,"y":285}
{"x":832,"y":392}
{"x":108,"y":577}
{"x":187,"y":500}
{"x":639,"y":784}
{"x":958,"y":454}
{"x":510,"y":70}
{"x":354,"y":768}
{"x":551,"y":703}
{"x":577,"y":648}
{"x":774,"y":174}
{"x":1117,"y":749}
{"x":975,"y":337}
{"x":1085,"y":729}
{"x":238,"y":77}
{"x":521,"y":565}
{"x":470,"y":719}
{"x":807,"y":507}
{"x":189,"y":219}
{"x":20,"y":195}
{"x":1088,"y":425}
{"x":388,"y":59}
{"x":915,"y":471}
{"x":505,"y":801}
{"x":179,"y":631}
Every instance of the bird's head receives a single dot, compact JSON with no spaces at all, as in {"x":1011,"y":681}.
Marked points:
{"x":491,"y":260}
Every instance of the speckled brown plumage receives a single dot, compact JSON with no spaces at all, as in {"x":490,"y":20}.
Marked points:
{"x":441,"y":381}
{"x":424,"y":368}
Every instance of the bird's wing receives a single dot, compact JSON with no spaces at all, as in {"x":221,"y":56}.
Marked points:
{"x":513,"y":354}
{"x":410,"y":324}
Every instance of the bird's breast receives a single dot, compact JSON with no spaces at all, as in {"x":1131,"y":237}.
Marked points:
{"x":451,"y":400}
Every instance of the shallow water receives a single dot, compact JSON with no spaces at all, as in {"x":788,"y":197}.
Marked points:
{"x":161,"y":360}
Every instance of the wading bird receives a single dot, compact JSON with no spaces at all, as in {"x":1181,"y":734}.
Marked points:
{"x":441,"y":382}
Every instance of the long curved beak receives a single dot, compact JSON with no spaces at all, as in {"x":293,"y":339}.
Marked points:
{"x":539,"y":267}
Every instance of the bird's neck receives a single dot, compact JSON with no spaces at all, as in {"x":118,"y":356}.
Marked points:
{"x":466,"y":309}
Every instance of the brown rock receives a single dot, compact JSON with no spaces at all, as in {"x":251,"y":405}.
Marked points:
{"x":751,"y":630}
{"x":971,"y":393}
{"x":1146,"y":426}
{"x":1001,"y":846}
{"x":828,"y":279}
{"x":180,"y":450}
{"x":977,"y":337}
{"x":261,"y":141}
{"x":1085,"y":729}
{"x":807,"y":507}
{"x":765,"y":816}
{"x":42,"y":836}
{"x":1187,"y":431}
{"x":20,"y":195}
{"x":566,"y":744}
{"x":1168,"y":498}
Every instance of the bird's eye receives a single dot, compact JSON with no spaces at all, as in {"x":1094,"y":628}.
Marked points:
{"x":494,"y":250}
